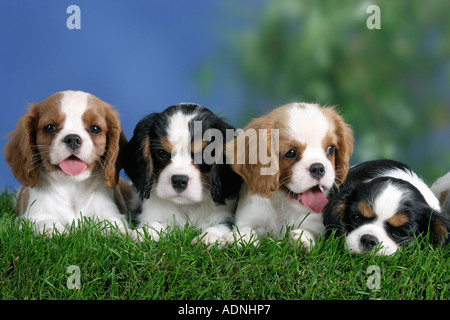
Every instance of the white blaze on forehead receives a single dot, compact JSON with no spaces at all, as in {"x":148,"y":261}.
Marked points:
{"x":387,"y":202}
{"x":307,"y":123}
{"x":179,"y":136}
{"x":74,"y":104}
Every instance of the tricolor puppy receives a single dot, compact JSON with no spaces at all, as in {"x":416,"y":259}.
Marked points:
{"x":176,"y":161}
{"x":384,"y":203}
{"x":64,"y":152}
{"x":309,"y":147}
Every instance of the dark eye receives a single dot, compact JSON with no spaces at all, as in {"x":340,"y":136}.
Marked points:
{"x":95,"y":130}
{"x":356,"y":218}
{"x":50,"y":129}
{"x":290,"y":154}
{"x":330,"y":151}
{"x":162,"y":154}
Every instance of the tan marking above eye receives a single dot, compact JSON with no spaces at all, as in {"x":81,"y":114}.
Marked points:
{"x":365,"y":210}
{"x":398,"y":220}
{"x":166,"y":145}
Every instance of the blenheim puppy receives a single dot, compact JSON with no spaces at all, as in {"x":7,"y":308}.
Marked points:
{"x":383,"y":203}
{"x":311,"y":155}
{"x":64,"y":152}
{"x":181,"y":174}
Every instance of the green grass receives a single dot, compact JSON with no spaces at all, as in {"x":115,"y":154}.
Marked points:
{"x":114,"y":267}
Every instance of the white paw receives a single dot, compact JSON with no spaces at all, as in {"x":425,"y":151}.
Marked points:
{"x":243,"y":239}
{"x":303,"y":238}
{"x":210,"y":240}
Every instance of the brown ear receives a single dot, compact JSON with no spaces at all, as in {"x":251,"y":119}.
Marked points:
{"x":116,"y":141}
{"x":249,"y":145}
{"x":21,"y":153}
{"x":344,"y":148}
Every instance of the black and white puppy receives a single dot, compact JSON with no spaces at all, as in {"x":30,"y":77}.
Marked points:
{"x":176,"y":162}
{"x":383,"y":202}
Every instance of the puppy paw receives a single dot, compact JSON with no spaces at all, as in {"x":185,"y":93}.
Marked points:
{"x":243,"y":239}
{"x":210,"y":240}
{"x":303,"y":238}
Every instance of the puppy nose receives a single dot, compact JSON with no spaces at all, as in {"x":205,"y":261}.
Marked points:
{"x":368,"y":242}
{"x":179,"y":182}
{"x":317,"y":170}
{"x":73,"y":141}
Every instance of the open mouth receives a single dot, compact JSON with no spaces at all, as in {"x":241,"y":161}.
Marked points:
{"x":72,"y":166}
{"x":314,"y":198}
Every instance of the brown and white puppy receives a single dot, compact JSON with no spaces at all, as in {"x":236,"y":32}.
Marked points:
{"x":310,"y":155}
{"x":64,"y":152}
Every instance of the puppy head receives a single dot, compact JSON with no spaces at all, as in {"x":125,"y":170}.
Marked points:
{"x":70,"y":135}
{"x":386,"y":212}
{"x":310,"y":153}
{"x":168,"y":154}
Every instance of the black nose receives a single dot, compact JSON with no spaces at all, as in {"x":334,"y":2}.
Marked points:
{"x":73,"y":141}
{"x":368,"y":242}
{"x":179,"y":182}
{"x":317,"y":170}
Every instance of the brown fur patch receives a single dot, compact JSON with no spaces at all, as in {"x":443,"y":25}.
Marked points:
{"x":365,"y":210}
{"x":340,"y":209}
{"x":28,"y":148}
{"x":166,"y":145}
{"x":398,"y":220}
{"x":115,"y":138}
{"x":343,"y":142}
{"x":443,"y":196}
{"x":198,"y":145}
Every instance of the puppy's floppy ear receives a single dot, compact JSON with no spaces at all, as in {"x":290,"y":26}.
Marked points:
{"x":137,"y":159}
{"x":21,"y":153}
{"x":334,"y":212}
{"x":439,"y":226}
{"x":116,"y":142}
{"x":333,"y":216}
{"x":344,"y":148}
{"x":225,"y":183}
{"x":262,"y":179}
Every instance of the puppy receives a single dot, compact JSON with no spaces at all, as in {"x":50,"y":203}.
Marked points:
{"x":308,"y":148}
{"x":384,"y":203}
{"x":441,"y":189}
{"x":175,"y":160}
{"x":64,"y":152}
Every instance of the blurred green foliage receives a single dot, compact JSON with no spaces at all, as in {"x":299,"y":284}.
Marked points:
{"x":390,"y":84}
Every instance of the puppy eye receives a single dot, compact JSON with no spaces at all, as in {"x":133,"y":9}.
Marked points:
{"x":162,"y":154}
{"x":292,"y":153}
{"x":50,"y":129}
{"x":95,"y":130}
{"x":356,"y":218}
{"x":330,"y":151}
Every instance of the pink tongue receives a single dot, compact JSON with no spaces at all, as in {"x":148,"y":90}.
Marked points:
{"x":314,"y":199}
{"x":72,"y":166}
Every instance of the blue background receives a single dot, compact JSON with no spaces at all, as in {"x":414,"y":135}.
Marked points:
{"x":142,"y":56}
{"x":139,"y":56}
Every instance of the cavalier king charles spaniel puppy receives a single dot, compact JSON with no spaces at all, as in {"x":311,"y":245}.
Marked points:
{"x":64,"y":152}
{"x":303,"y":150}
{"x":176,"y":162}
{"x":383,"y":204}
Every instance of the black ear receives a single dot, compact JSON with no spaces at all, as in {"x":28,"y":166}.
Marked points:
{"x":333,"y":215}
{"x":137,"y":160}
{"x":225,"y":183}
{"x":334,"y":212}
{"x":438,"y":225}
